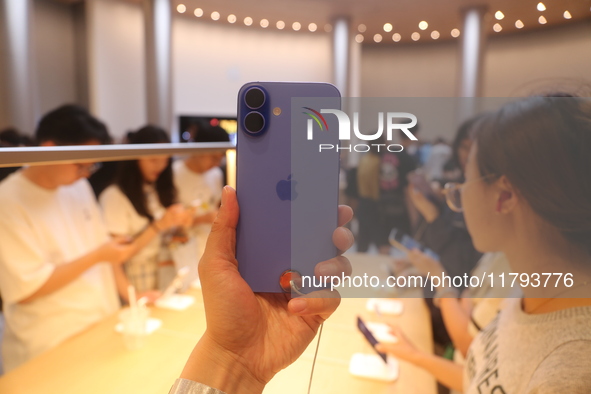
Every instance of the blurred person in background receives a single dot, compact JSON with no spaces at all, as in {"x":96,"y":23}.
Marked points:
{"x":453,"y":170}
{"x":439,"y":155}
{"x":142,"y":204}
{"x":10,"y":138}
{"x":444,"y":231}
{"x":382,"y":182}
{"x":538,"y":213}
{"x":199,"y":181}
{"x":56,"y":258}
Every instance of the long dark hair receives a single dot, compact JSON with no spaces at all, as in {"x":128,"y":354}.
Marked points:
{"x":541,"y":144}
{"x":464,"y":133}
{"x":131,"y":181}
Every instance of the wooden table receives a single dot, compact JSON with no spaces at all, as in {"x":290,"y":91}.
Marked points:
{"x":96,"y":360}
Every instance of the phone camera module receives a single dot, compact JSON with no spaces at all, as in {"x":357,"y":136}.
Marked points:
{"x":254,"y":98}
{"x":254,"y":122}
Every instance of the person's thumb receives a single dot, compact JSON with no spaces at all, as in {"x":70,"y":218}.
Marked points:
{"x":221,"y":243}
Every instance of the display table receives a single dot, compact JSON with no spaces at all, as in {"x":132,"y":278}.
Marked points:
{"x":96,"y":360}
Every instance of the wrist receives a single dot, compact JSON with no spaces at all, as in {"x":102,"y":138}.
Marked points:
{"x":98,"y":256}
{"x":216,"y":367}
{"x":431,"y":216}
{"x":156,"y":226}
{"x":419,"y":358}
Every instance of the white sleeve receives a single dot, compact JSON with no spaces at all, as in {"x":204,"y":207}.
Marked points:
{"x":115,"y":206}
{"x":24,"y":267}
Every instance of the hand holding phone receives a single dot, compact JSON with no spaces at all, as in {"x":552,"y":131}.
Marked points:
{"x":287,"y":188}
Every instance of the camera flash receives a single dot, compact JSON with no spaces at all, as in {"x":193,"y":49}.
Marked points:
{"x":276,"y":111}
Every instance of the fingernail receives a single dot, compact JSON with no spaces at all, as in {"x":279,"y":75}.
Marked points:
{"x":327,"y":268}
{"x":224,"y":194}
{"x":298,"y":305}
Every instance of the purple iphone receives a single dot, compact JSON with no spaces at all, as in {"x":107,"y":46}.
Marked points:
{"x":287,"y":181}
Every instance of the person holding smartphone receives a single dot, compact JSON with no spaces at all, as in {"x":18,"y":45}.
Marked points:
{"x":57,"y":261}
{"x":252,"y":336}
{"x":527,"y":195}
{"x":142,"y":203}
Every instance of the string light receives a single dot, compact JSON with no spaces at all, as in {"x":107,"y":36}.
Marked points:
{"x":423,"y":25}
{"x":497,"y":27}
{"x":280,"y":25}
{"x":231,"y":18}
{"x":415,"y":36}
{"x":435,"y":34}
{"x":359,"y":38}
{"x":499,"y":15}
{"x":541,"y":7}
{"x":248,"y":21}
{"x":362,"y":28}
{"x":396,"y":37}
{"x":264,"y":23}
{"x":181,"y":8}
{"x":198,"y":12}
{"x":567,"y":15}
{"x":519,"y":24}
{"x":312,"y":27}
{"x":328,"y":28}
{"x":388,"y":27}
{"x":215,"y":15}
{"x":455,"y":33}
{"x":296,"y":26}
{"x":542,"y":20}
{"x":377,"y":38}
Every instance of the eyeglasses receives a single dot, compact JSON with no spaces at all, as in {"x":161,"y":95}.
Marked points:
{"x":87,"y":169}
{"x":453,"y":193}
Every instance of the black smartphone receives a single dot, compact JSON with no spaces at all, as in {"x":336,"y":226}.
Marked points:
{"x":370,"y":338}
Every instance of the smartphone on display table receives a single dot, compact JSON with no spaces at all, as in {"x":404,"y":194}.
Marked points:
{"x":405,"y":243}
{"x":370,"y":338}
{"x":287,"y":187}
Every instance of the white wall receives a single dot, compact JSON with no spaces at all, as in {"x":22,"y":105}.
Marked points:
{"x":211,"y":61}
{"x":513,"y":64}
{"x":116,"y":64}
{"x":517,"y":64}
{"x":409,"y":70}
{"x":54,"y":54}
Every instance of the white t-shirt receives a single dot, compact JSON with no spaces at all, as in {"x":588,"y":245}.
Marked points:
{"x":39,"y":230}
{"x":121,"y":218}
{"x":531,"y":354}
{"x":205,"y":188}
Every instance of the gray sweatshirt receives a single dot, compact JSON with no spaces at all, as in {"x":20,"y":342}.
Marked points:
{"x":535,"y":354}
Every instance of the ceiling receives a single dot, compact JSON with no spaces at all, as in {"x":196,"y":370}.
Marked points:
{"x":404,"y":15}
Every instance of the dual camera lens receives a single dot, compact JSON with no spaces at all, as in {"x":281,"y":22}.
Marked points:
{"x":254,"y":121}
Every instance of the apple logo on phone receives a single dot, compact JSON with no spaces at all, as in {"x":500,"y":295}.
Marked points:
{"x":286,"y":189}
